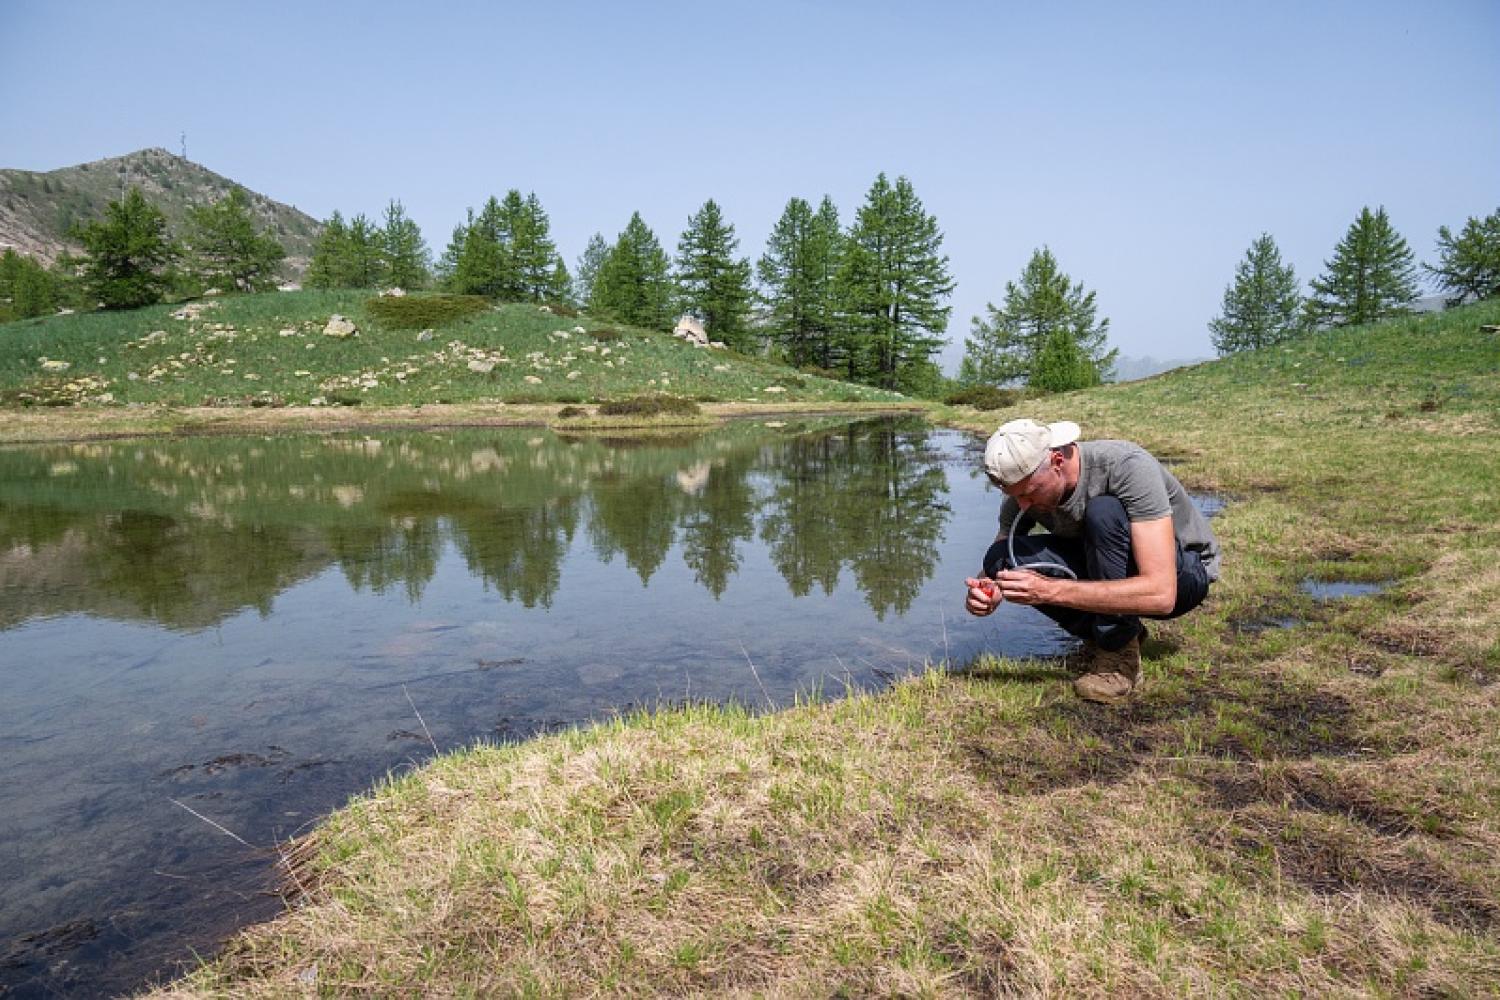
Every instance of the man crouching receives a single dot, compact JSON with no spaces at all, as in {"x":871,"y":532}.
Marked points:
{"x":1123,"y":542}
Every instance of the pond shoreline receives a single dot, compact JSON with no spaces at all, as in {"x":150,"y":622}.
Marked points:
{"x":80,"y":424}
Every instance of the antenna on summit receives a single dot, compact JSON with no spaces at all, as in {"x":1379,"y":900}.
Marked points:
{"x":184,"y":145}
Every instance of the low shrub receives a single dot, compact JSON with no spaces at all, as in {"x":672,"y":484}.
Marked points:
{"x":605,"y":334}
{"x":649,"y":406}
{"x":423,"y":312}
{"x":569,"y":412}
{"x":561,"y":309}
{"x":984,"y":397}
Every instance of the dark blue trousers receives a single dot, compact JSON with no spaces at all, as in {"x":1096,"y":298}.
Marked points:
{"x":1103,"y":553}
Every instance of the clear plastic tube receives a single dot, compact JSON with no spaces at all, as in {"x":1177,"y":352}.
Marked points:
{"x":1034,"y":566}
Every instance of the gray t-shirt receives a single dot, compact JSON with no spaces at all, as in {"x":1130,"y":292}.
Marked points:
{"x":1146,"y":490}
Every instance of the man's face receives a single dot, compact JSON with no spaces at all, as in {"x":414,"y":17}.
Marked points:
{"x":1041,"y":491}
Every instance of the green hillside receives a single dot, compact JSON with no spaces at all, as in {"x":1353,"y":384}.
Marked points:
{"x":271,"y":350}
{"x":1300,"y":802}
{"x":38,"y":208}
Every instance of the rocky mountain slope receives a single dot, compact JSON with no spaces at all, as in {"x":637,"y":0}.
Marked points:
{"x":37,"y":209}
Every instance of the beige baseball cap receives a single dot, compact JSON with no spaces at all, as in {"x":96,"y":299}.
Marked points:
{"x":1017,"y":448}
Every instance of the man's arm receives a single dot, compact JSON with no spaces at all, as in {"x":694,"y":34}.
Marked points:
{"x":1151,"y":591}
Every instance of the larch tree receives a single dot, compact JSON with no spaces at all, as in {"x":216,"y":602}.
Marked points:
{"x":1262,"y":306}
{"x":892,"y":281}
{"x":587,"y":272}
{"x":405,"y":251}
{"x":1371,"y":276}
{"x":796,"y":276}
{"x":712,"y":283}
{"x":227,"y":249}
{"x":1040,"y":312}
{"x":127,"y":253}
{"x":1469,"y":264}
{"x":634,"y":283}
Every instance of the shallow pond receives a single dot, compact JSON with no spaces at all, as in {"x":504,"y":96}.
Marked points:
{"x":247,"y":627}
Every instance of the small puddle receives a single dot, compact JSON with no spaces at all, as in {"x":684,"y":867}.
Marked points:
{"x":1332,"y":590}
{"x":1209,"y":504}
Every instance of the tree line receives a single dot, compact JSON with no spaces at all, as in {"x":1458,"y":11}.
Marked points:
{"x":1371,"y":276}
{"x":864,"y":302}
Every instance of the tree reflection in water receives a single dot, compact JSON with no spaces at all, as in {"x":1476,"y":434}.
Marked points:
{"x":186,"y":533}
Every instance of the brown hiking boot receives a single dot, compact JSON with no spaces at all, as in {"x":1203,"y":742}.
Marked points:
{"x":1113,"y":675}
{"x":1081,"y":660}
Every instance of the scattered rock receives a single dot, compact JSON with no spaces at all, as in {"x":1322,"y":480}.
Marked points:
{"x":579,"y":329}
{"x":424,"y":336}
{"x":340,"y":327}
{"x":287,"y":331}
{"x":534,"y":379}
{"x":573,"y":375}
{"x":482,"y":367}
{"x":55,"y":366}
{"x":393,"y":293}
{"x":689,"y":329}
{"x":773,"y":388}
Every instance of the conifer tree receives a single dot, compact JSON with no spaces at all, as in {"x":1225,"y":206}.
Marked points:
{"x":325,"y":270}
{"x":796,"y":273}
{"x":534,"y":257}
{"x":587,"y":272}
{"x":447,"y":265}
{"x":26,"y":288}
{"x":892,"y":280}
{"x":227,"y":250}
{"x":560,"y":287}
{"x":712,"y":284}
{"x":1262,"y":306}
{"x":481,"y":267}
{"x":1371,"y":276}
{"x":1046,"y":306}
{"x":1469,"y":264}
{"x":365,"y":260}
{"x":634,"y":283}
{"x":403,"y":250}
{"x":127,"y":253}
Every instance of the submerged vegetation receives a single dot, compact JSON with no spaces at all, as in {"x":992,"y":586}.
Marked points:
{"x":1302,"y":800}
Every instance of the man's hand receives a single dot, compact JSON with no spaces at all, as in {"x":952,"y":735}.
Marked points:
{"x":1024,"y":586}
{"x":984,"y":597}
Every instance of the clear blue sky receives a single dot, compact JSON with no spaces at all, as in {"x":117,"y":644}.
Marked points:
{"x":1147,"y":143}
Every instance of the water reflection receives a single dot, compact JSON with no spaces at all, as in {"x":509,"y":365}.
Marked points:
{"x":236,"y":624}
{"x":188,"y":533}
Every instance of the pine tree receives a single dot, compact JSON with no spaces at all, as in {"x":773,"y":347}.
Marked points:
{"x":587,"y":272}
{"x":1008,"y":347}
{"x":403,"y":250}
{"x":634,"y":283}
{"x":796,"y":273}
{"x":1469,"y":264}
{"x":1263,"y":305}
{"x":228,"y":251}
{"x":712,"y":284}
{"x":1371,"y":276}
{"x":127,"y":253}
{"x":891,"y":282}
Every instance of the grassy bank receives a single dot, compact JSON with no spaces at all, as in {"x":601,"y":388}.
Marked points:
{"x":1303,"y":800}
{"x":270,"y":350}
